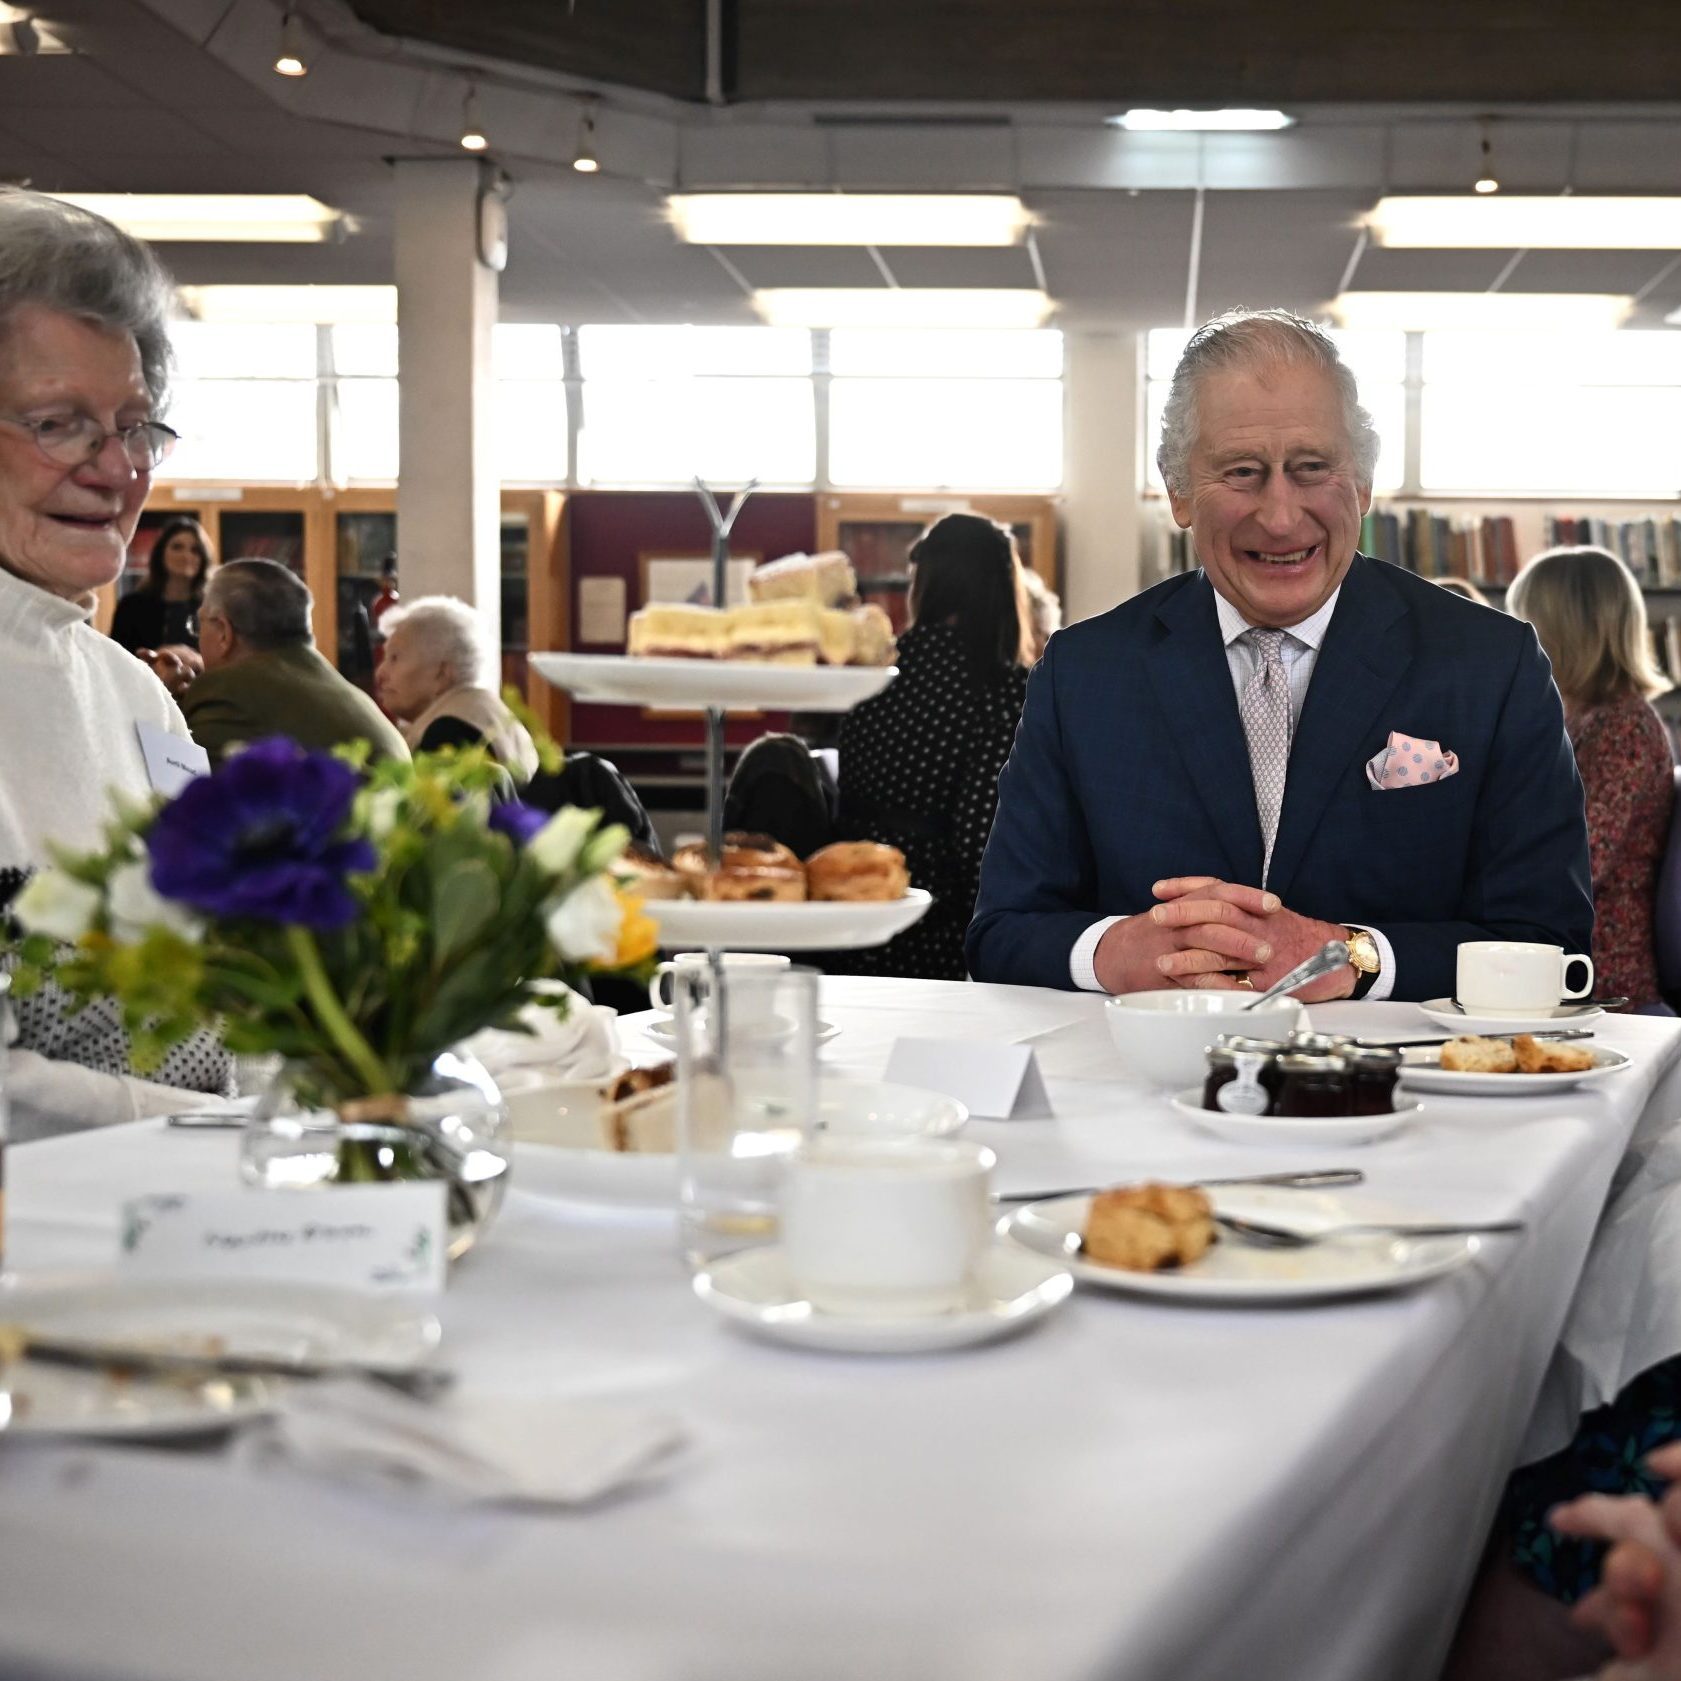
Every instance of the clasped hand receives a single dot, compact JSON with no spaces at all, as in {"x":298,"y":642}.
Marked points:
{"x":1208,"y":933}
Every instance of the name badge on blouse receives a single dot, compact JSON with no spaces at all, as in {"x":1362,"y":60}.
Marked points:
{"x":172,"y":761}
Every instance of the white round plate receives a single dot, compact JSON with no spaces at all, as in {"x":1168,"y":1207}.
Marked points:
{"x":663,"y":1031}
{"x":1329,"y":1130}
{"x":290,"y":1321}
{"x":1235,"y":1273}
{"x":640,"y":1179}
{"x":1417,"y":1074}
{"x":1012,"y":1289}
{"x":1445,"y":1013}
{"x":734,"y":685}
{"x":810,"y":925}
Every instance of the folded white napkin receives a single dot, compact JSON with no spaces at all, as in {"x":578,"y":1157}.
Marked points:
{"x":580,"y":1047}
{"x":468,"y":1446}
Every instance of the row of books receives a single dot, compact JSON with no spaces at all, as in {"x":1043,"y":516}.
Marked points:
{"x":1650,"y":547}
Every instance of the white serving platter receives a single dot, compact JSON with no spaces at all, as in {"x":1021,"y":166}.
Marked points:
{"x":810,"y":925}
{"x":732,"y":685}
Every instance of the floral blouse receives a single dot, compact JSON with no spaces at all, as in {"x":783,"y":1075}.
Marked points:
{"x":1623,"y":754}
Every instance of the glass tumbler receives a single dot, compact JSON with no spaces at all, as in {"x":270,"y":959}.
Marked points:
{"x":746,"y":1097}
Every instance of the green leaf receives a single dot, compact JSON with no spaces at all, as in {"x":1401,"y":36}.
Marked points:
{"x":464,"y":903}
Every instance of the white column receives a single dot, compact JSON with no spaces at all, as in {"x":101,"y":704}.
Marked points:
{"x":448,"y":496}
{"x":1103,"y":402}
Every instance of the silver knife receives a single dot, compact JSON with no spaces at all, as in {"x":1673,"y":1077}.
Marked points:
{"x":1290,"y":1181}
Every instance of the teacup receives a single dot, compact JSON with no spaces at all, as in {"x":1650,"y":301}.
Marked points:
{"x":1516,"y":977}
{"x":886,"y":1227}
{"x":753,"y":1005}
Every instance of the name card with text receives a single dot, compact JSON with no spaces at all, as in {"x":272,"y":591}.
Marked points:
{"x":370,"y":1237}
{"x":995,"y":1082}
{"x":172,"y":761}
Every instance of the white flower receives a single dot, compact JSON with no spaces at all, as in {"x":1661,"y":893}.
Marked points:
{"x":585,"y":924}
{"x":137,"y":906}
{"x":380,"y":817}
{"x":56,"y":904}
{"x":555,"y":846}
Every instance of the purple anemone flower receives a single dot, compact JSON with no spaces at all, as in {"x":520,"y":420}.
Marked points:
{"x":518,"y":821}
{"x":258,"y":839}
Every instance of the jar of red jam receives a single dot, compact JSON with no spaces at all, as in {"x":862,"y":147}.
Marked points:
{"x":1313,"y":1084}
{"x":1372,"y":1074}
{"x":1242,"y":1075}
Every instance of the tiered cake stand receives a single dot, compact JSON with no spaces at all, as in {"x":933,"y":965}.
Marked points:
{"x":719,"y":688}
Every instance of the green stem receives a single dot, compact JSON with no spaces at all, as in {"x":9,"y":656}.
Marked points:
{"x":318,"y":989}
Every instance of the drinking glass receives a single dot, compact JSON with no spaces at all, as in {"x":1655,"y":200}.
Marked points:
{"x":746,"y":1096}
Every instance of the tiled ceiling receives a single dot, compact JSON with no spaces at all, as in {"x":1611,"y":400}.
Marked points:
{"x":175,"y":95}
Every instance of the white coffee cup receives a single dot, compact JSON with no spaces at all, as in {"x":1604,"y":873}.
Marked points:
{"x":886,"y":1227}
{"x":1516,"y":977}
{"x":753,"y":1005}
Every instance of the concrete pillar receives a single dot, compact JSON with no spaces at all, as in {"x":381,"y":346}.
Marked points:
{"x":448,"y":496}
{"x":1103,"y":405}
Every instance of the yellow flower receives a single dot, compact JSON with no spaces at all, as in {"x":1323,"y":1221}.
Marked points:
{"x":639,"y":934}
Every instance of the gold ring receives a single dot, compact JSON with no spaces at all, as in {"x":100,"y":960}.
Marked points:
{"x":1246,"y":980}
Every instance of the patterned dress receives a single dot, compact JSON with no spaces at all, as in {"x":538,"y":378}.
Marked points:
{"x":919,"y":770}
{"x":1623,"y":754}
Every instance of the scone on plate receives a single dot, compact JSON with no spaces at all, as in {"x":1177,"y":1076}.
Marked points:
{"x":1533,"y":1057}
{"x":1143,"y":1228}
{"x":1470,"y":1054}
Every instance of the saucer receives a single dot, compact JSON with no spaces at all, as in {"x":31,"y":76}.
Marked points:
{"x":663,"y":1031}
{"x":1013,"y":1288}
{"x":1329,"y":1130}
{"x":1444,"y":1013}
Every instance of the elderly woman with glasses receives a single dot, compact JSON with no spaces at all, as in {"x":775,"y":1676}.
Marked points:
{"x":84,"y":356}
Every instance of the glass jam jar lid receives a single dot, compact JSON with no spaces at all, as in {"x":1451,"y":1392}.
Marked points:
{"x":1313,"y":1062}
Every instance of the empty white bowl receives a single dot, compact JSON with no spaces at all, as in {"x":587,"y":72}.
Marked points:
{"x":1162,"y":1036}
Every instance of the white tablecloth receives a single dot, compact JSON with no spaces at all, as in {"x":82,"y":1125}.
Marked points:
{"x":1132,"y":1491}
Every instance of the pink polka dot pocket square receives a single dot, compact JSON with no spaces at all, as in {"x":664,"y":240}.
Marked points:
{"x":1409,"y":761}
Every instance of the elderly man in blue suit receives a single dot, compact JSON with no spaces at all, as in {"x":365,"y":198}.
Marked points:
{"x":1295,"y":744}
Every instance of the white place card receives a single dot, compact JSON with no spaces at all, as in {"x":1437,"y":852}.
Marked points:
{"x":172,"y":761}
{"x":995,"y":1082}
{"x":370,"y":1237}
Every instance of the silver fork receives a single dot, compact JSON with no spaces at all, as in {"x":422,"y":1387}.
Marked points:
{"x":1284,"y":1237}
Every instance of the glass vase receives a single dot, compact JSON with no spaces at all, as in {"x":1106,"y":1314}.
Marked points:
{"x":452,"y":1127}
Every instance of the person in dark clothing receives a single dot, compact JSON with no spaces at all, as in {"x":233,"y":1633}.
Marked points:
{"x":779,"y":789}
{"x":163,"y":611}
{"x":919,"y":763}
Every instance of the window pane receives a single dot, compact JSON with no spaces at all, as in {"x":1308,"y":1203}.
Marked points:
{"x":528,"y":350}
{"x":531,"y":431}
{"x":243,"y":429}
{"x":1604,"y":440}
{"x":1386,"y":404}
{"x":668,"y":352}
{"x":365,"y":430}
{"x":238,"y":350}
{"x":977,"y":355}
{"x":967,"y":434}
{"x":365,"y":348}
{"x":728,"y":430}
{"x":1494,"y":360}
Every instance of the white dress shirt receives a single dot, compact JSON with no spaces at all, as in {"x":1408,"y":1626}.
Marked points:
{"x":1300,"y":653}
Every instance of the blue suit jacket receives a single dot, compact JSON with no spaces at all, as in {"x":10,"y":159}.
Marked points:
{"x":1131,"y":765}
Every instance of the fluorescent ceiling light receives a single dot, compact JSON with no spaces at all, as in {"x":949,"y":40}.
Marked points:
{"x":325,"y":305}
{"x":1504,"y":223}
{"x":266,"y":218}
{"x":901,"y":306}
{"x":1579,"y":312}
{"x":849,"y":218}
{"x":1199,"y":122}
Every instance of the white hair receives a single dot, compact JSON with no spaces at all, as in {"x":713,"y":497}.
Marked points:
{"x":448,"y":631}
{"x":1256,"y":338}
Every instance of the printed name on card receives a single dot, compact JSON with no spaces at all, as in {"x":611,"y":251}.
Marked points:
{"x":371,"y":1237}
{"x":995,"y":1082}
{"x":172,"y":761}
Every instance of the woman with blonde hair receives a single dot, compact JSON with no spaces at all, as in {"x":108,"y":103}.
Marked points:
{"x":1591,"y":619}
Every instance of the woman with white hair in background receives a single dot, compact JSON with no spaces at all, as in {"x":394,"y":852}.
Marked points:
{"x":432,"y":681}
{"x":84,"y":371}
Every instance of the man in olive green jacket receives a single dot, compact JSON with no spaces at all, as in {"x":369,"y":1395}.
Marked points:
{"x":263,"y":676}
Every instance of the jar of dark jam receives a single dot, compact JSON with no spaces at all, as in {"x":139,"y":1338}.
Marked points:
{"x":1249,"y":1067}
{"x":1318,"y":1044}
{"x":1372,"y":1075}
{"x":1312,"y":1084}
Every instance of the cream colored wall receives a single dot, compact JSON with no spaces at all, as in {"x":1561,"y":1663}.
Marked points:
{"x":1103,"y":404}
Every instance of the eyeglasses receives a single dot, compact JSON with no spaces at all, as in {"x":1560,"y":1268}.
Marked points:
{"x":73,"y":440}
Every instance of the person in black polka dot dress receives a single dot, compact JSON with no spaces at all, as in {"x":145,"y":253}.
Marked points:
{"x":919,"y":763}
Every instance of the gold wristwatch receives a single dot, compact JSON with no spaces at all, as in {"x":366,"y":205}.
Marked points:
{"x":1363,"y":954}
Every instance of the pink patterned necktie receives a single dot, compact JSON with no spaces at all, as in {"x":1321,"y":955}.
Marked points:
{"x":1265,"y":707}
